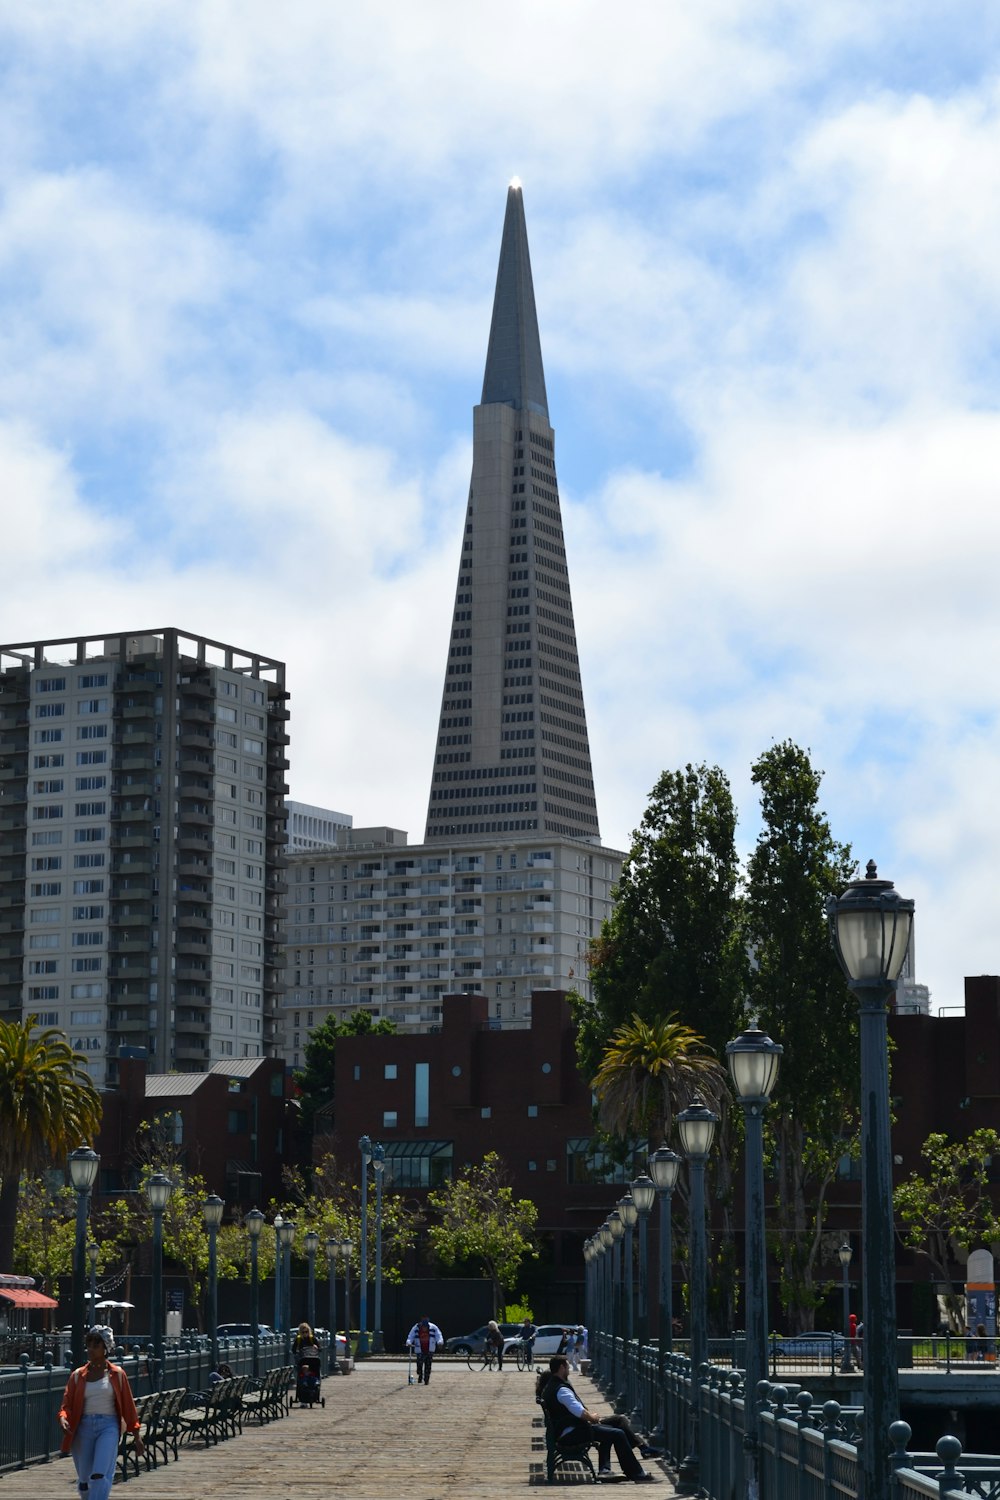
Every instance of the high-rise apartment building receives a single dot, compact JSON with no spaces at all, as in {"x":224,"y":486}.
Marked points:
{"x":512,"y":754}
{"x":309,"y":827}
{"x":511,"y":882}
{"x":142,"y":864}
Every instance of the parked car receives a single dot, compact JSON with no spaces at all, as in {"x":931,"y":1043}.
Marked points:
{"x":475,"y":1342}
{"x":243,"y":1331}
{"x":547,"y":1339}
{"x":809,"y":1346}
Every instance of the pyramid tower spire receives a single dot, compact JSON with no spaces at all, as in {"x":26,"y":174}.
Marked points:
{"x":514,"y":373}
{"x":513,"y":757}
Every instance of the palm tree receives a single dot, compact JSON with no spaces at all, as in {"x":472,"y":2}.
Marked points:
{"x":48,"y":1106}
{"x":651,"y":1069}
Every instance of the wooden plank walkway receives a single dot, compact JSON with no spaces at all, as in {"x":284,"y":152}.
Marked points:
{"x":463,"y":1435}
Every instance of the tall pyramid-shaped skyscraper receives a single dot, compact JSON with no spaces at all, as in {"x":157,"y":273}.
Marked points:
{"x":513,"y":758}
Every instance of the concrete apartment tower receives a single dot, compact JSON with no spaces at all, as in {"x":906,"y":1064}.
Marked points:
{"x":142,"y":836}
{"x":512,"y":757}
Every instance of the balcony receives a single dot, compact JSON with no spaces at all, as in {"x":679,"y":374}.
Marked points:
{"x":124,"y":838}
{"x":196,"y":817}
{"x":194,"y":713}
{"x":190,"y":973}
{"x":194,"y":1023}
{"x":10,"y":772}
{"x":194,"y":765}
{"x":134,"y":760}
{"x":191,"y":945}
{"x":129,"y":917}
{"x":201,"y":869}
{"x":196,"y":737}
{"x":190,"y":1051}
{"x":133,"y":711}
{"x":128,"y":966}
{"x":132,"y":812}
{"x":194,"y":995}
{"x":10,"y":900}
{"x":12,"y":822}
{"x":135,"y":736}
{"x":189,"y":840}
{"x":10,"y":924}
{"x":195,"y":920}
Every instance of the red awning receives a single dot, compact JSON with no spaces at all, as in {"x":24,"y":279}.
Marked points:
{"x":26,"y":1299}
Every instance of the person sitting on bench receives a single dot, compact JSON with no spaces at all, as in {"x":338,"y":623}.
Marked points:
{"x":575,"y":1426}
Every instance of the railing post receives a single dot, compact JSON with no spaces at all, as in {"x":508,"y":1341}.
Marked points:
{"x":899,"y":1435}
{"x":803,"y":1401}
{"x":949,"y":1450}
{"x":23,"y":1455}
{"x":831,"y":1430}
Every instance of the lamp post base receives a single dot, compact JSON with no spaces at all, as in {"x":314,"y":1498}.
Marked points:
{"x":688,"y":1475}
{"x":378,"y":1342}
{"x":363,"y":1348}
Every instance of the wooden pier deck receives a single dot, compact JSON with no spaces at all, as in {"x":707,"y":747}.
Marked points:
{"x":378,"y":1438}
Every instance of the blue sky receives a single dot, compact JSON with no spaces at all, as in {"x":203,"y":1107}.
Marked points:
{"x":247,"y":257}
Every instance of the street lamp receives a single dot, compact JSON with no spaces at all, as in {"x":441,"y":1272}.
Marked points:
{"x":753,"y":1063}
{"x":696,"y":1126}
{"x":844,"y":1254}
{"x":331,"y":1247}
{"x":365,"y":1147}
{"x":255,"y":1223}
{"x":870,"y":926}
{"x":211,"y":1211}
{"x":158,"y":1190}
{"x":664,"y":1168}
{"x":92,"y":1254}
{"x":346,"y":1251}
{"x":378,"y":1162}
{"x":286,"y":1235}
{"x":83,"y":1168}
{"x":643,"y":1196}
{"x":630,"y":1217}
{"x":616,"y":1229}
{"x":311,"y":1242}
{"x":279,"y":1301}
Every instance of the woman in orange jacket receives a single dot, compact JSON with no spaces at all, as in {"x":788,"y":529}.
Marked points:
{"x":97,"y":1406}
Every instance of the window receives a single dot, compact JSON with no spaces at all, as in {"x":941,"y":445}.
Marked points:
{"x":252,"y":747}
{"x":88,"y":939}
{"x":84,"y":1017}
{"x":42,"y":762}
{"x":46,"y":836}
{"x":88,"y":887}
{"x":238,"y":1122}
{"x":91,"y":757}
{"x":486,"y":1113}
{"x":88,"y":861}
{"x":47,"y":888}
{"x":532,"y":1111}
{"x":50,"y":684}
{"x":47,"y":862}
{"x":43,"y":966}
{"x":85,"y":965}
{"x":92,"y":706}
{"x":44,"y":940}
{"x":47,"y":810}
{"x":91,"y":784}
{"x":91,"y":809}
{"x":43,"y":788}
{"x":48,"y":736}
{"x":50,"y":914}
{"x":88,"y":835}
{"x":44,"y":992}
{"x":388,"y":1119}
{"x":50,"y":710}
{"x":92,"y":732}
{"x":421,"y":1093}
{"x":86,"y":992}
{"x":88,"y":913}
{"x":226,"y":715}
{"x":93,"y":680}
{"x":390,"y":1070}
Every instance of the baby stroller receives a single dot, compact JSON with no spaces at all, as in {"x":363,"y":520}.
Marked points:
{"x":307,"y":1378}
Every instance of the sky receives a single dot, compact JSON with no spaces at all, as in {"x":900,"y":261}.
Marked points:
{"x":247,"y":258}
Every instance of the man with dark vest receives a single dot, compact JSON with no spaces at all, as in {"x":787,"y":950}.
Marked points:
{"x":573,"y":1425}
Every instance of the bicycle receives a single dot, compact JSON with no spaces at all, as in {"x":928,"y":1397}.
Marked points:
{"x":520,"y":1354}
{"x":485,"y":1360}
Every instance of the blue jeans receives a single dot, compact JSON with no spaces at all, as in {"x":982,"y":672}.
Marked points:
{"x":95,"y":1454}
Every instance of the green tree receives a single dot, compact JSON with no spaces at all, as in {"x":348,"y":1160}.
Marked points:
{"x":46,"y":1230}
{"x":949,"y":1204}
{"x":315,"y":1081}
{"x":649,"y":1070}
{"x":48,"y":1107}
{"x":479,"y":1220}
{"x":672,"y":944}
{"x":798,"y":992}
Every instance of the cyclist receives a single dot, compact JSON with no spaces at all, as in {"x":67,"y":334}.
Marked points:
{"x":526,"y":1333}
{"x":494,"y":1341}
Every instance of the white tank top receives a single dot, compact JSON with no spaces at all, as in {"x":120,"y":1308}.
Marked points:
{"x":99,"y":1397}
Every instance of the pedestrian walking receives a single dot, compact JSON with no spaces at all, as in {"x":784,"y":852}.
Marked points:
{"x":424,"y":1338}
{"x":97,"y":1407}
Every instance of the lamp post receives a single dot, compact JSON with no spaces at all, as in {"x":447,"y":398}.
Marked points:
{"x":616,"y":1229}
{"x":211,"y":1211}
{"x":311,"y":1242}
{"x":83,"y":1168}
{"x":844,"y":1253}
{"x":346,"y":1250}
{"x":92,"y":1254}
{"x":378,"y":1162}
{"x":629,"y":1217}
{"x":286,"y":1235}
{"x":279,"y":1301}
{"x":753,"y":1064}
{"x":664,"y":1168}
{"x":871,"y":925}
{"x":643,"y":1196}
{"x":365,"y":1147}
{"x":255,"y":1223}
{"x":158,"y":1190}
{"x":331,"y":1247}
{"x":696,"y":1126}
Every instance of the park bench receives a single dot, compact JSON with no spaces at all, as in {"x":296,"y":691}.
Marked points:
{"x":217,"y":1413}
{"x":145,"y":1407}
{"x":271,"y":1399}
{"x":164,"y":1432}
{"x":567,"y":1464}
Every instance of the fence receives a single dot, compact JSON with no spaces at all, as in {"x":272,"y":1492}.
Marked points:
{"x":803,"y":1452}
{"x":30,"y":1396}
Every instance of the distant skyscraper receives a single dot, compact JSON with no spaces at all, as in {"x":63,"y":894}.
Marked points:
{"x":513,"y":758}
{"x":142,"y":845}
{"x":311,"y":827}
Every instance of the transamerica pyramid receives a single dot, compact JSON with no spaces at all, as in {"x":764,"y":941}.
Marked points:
{"x":512,"y":757}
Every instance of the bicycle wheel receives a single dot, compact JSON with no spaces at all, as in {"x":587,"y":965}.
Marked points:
{"x":517,"y":1353}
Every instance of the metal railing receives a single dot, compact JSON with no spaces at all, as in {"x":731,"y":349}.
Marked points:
{"x":30,"y":1396}
{"x":804,"y":1451}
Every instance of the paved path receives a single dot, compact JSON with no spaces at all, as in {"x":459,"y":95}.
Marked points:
{"x":377,"y":1439}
